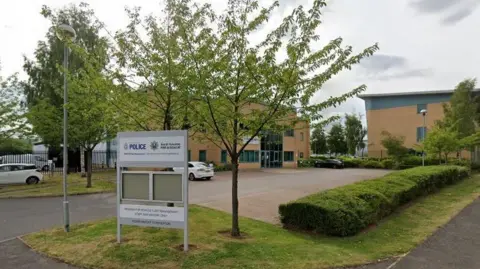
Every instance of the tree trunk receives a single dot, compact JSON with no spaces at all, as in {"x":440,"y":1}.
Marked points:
{"x":89,"y":168}
{"x":235,"y":227}
{"x":82,"y":162}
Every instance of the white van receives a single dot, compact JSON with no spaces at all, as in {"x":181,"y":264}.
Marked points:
{"x":40,"y":162}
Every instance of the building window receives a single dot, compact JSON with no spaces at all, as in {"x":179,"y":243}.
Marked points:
{"x":249,"y":156}
{"x":202,"y":155}
{"x":189,"y":158}
{"x":223,"y":156}
{"x":301,"y":136}
{"x":420,"y":107}
{"x":288,"y":156}
{"x":289,"y":132}
{"x":421,"y":133}
{"x":301,"y":155}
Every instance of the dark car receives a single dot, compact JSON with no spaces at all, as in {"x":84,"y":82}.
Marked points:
{"x":329,"y":163}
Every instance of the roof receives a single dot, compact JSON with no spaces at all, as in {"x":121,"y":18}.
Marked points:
{"x":408,"y":93}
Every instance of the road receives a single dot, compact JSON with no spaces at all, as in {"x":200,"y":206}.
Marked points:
{"x":268,"y":187}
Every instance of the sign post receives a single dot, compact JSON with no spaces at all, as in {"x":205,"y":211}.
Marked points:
{"x":142,"y":196}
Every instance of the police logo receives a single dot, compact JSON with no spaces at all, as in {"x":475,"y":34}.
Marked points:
{"x":154,"y":145}
{"x":125,"y":146}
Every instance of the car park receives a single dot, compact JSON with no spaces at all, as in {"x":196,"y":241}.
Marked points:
{"x":17,"y":173}
{"x":197,"y":170}
{"x":329,"y":163}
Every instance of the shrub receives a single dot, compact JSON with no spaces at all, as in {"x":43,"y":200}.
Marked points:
{"x":388,"y":164}
{"x":371,"y":164}
{"x":225,"y":167}
{"x":351,"y":162}
{"x":349,"y":209}
{"x":306,"y":163}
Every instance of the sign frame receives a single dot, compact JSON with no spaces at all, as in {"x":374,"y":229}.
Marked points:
{"x":152,"y":161}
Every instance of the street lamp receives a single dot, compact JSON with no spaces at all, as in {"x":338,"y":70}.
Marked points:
{"x":66,"y":34}
{"x":424,"y":114}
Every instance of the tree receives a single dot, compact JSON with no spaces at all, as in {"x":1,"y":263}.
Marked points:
{"x":336,"y":139}
{"x":12,"y":120}
{"x":460,"y":114}
{"x":243,"y":89}
{"x":442,"y":141}
{"x":394,"y":145}
{"x":91,"y":118}
{"x":152,"y":72}
{"x":354,"y":133}
{"x":15,"y":146}
{"x":318,"y":141}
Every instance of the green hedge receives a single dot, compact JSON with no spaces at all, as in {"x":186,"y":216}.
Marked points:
{"x":349,"y":209}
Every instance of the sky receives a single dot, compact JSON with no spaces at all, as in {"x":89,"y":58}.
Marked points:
{"x":424,"y":44}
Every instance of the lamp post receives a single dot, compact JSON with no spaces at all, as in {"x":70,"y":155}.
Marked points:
{"x":66,"y":34}
{"x":424,"y":114}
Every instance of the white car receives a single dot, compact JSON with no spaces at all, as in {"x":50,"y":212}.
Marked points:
{"x":13,"y":173}
{"x":197,"y":170}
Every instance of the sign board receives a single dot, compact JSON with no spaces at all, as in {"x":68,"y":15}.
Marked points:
{"x":143,"y":196}
{"x":254,"y":141}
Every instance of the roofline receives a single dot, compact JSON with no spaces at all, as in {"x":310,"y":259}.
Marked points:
{"x":362,"y":96}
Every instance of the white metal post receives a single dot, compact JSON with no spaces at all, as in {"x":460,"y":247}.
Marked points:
{"x":119,"y":195}
{"x":185,"y":194}
{"x":66,"y":211}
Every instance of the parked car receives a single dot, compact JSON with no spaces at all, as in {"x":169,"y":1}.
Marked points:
{"x":329,"y":163}
{"x":197,"y":170}
{"x":40,"y":162}
{"x":12,"y":173}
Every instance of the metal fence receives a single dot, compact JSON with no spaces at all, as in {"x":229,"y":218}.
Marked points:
{"x":50,"y":161}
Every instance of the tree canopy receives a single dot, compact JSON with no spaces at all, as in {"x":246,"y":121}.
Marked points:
{"x":318,"y":141}
{"x":336,"y":139}
{"x":354,"y":133}
{"x":12,"y":118}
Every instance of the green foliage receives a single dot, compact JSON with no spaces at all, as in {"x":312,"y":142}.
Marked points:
{"x":336,"y":139}
{"x":347,"y":210}
{"x":354,"y":133}
{"x":460,"y":114}
{"x":318,"y":141}
{"x":15,"y":146}
{"x":394,"y":145}
{"x":441,"y":142}
{"x":12,"y":120}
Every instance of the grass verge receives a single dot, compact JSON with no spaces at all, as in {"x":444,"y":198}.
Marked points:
{"x":92,"y":245}
{"x":52,"y":186}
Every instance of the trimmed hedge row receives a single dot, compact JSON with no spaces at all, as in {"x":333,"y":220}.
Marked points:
{"x":349,"y":209}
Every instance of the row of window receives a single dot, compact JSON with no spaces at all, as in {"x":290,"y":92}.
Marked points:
{"x":291,"y":133}
{"x":247,"y":156}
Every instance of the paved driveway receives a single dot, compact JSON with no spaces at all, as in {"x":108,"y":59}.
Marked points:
{"x":266,"y":188}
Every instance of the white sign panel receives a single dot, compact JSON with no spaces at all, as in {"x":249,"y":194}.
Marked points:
{"x":254,"y":141}
{"x":152,"y":149}
{"x":152,"y":212}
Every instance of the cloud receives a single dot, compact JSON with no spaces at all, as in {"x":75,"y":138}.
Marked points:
{"x":378,"y":63}
{"x":434,"y":6}
{"x":453,"y":11}
{"x":387,"y":67}
{"x":458,"y":16}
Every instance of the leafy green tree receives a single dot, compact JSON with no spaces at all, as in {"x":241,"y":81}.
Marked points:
{"x":243,"y":89}
{"x":154,"y":91}
{"x":91,"y":118}
{"x":15,"y":146}
{"x":394,"y":145}
{"x":336,"y":139}
{"x":442,"y":142}
{"x":12,"y":120}
{"x":45,"y":78}
{"x":354,"y":133}
{"x":318,"y":141}
{"x":460,"y":113}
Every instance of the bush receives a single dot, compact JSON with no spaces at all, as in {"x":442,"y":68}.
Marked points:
{"x":306,"y":163}
{"x":349,"y":209}
{"x":388,"y":164}
{"x":225,"y":167}
{"x":371,"y":164}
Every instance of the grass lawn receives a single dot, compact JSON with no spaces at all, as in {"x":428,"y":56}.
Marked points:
{"x":53,"y":186}
{"x":93,"y":245}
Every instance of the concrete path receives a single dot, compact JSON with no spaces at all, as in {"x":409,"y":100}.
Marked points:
{"x":456,"y":245}
{"x":15,"y":255}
